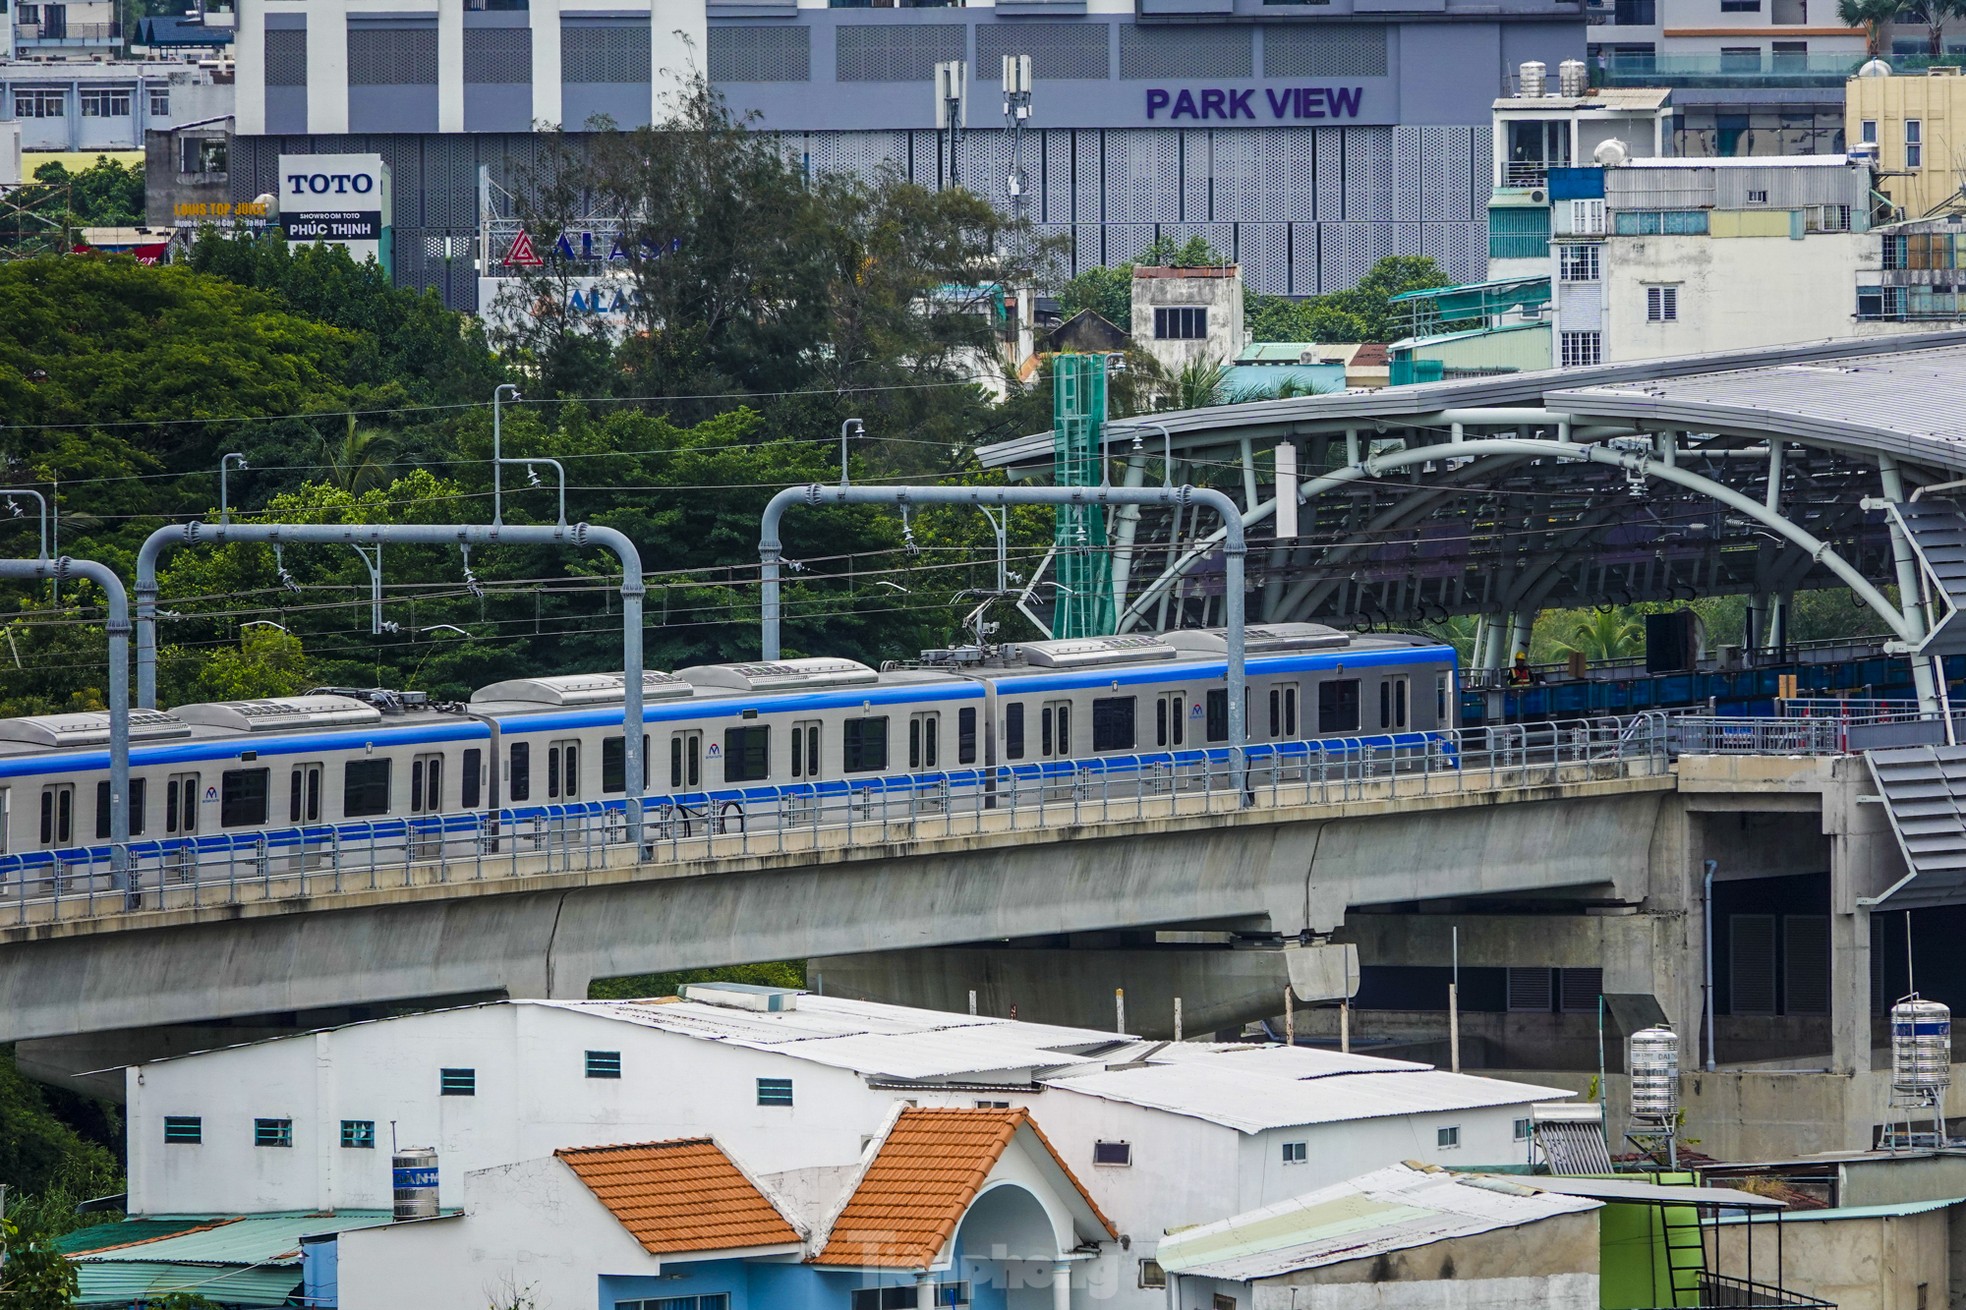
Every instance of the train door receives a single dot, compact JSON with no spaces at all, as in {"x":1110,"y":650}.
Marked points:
{"x":563,"y":771}
{"x":58,"y":815}
{"x":1055,"y":730}
{"x":800,"y":807}
{"x":686,"y":760}
{"x":924,"y":746}
{"x":1170,"y":734}
{"x":181,"y":818}
{"x":426,"y":798}
{"x":304,"y":794}
{"x":1394,"y":703}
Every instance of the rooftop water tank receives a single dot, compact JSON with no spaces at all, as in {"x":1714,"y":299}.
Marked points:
{"x":1652,"y":1059}
{"x":1610,"y":154}
{"x":1874,"y":68}
{"x":1572,"y":78}
{"x":1529,"y":79}
{"x":414,"y":1171}
{"x":1921,"y":1051}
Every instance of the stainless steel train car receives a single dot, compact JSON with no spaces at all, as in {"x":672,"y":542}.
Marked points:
{"x":726,"y":746}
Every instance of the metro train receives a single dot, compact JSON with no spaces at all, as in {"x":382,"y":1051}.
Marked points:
{"x":754,"y":744}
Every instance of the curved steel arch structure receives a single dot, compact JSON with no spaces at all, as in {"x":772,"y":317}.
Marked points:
{"x":1761,"y":472}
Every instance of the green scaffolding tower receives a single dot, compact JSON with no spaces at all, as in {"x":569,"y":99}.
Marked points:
{"x":1082,"y":564}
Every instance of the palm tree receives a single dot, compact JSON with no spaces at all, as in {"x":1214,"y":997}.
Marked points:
{"x":1871,"y":15}
{"x":1601,"y":635}
{"x":1197,"y":386}
{"x":360,"y":461}
{"x":1936,"y":13}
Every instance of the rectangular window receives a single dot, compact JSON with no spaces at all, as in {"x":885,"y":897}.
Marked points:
{"x":160,"y":103}
{"x":457,"y":1082}
{"x":1112,"y":1153}
{"x":102,"y":810}
{"x":1447,"y":1138}
{"x":1826,"y":218}
{"x":1587,"y":218}
{"x":604,"y":1064}
{"x":358,"y":1134}
{"x":1914,"y":143}
{"x":1581,"y":349}
{"x":1217,"y":715}
{"x":1337,"y":706}
{"x":1869,"y":136}
{"x":471,"y":778}
{"x":242,"y":798}
{"x":518,"y":774}
{"x":569,"y":770}
{"x":1152,"y":1275}
{"x":273,"y":1132}
{"x":40,"y":104}
{"x":774,"y":1091}
{"x":1393,"y":701}
{"x":863,"y":744}
{"x":1222,"y":1301}
{"x":1662,"y":304}
{"x":1112,"y":724}
{"x":866,"y":1298}
{"x":365,"y":787}
{"x":747,"y":754}
{"x":1522,"y":1127}
{"x":183,"y":1130}
{"x":553,"y":772}
{"x":105,"y":104}
{"x":1013,"y":732}
{"x":1296,"y":1152}
{"x":1184,"y":323}
{"x":1579,"y":262}
{"x":966,"y":736}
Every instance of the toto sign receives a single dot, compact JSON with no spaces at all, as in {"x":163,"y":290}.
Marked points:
{"x":339,"y":199}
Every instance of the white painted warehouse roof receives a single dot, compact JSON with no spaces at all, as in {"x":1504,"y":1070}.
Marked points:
{"x":1391,"y":1209}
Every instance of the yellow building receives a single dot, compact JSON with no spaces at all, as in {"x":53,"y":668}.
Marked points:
{"x":1916,"y":123}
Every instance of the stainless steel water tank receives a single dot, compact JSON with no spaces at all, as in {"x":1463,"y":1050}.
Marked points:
{"x":1921,"y":1051}
{"x":414,"y":1170}
{"x":1529,"y":78}
{"x":1572,"y":78}
{"x":1652,"y":1058}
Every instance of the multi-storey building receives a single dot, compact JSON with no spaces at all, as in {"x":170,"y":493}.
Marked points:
{"x":1305,"y":141}
{"x":75,"y":105}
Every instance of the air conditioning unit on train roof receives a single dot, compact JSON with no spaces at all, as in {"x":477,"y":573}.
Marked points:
{"x":809,"y":674}
{"x":281,"y":714}
{"x":89,"y":728}
{"x":574,"y":689}
{"x":1091,"y":652}
{"x":1268,"y":637}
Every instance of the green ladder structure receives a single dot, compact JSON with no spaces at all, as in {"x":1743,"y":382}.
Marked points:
{"x":1081,"y":561}
{"x":1685,"y":1252}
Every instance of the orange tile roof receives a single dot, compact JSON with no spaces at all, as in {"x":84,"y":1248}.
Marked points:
{"x":921,"y":1182}
{"x":682,"y":1195}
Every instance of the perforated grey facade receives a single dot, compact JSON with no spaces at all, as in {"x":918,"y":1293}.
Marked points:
{"x":1305,"y":143}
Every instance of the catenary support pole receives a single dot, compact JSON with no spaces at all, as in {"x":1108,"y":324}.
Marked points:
{"x":1235,"y":550}
{"x":577,"y":536}
{"x":118,"y":628}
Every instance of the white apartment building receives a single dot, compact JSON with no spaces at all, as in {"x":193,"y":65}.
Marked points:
{"x":73,"y":105}
{"x":1162,"y":1135}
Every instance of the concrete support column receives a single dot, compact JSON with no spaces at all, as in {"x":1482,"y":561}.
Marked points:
{"x":925,"y":1291}
{"x":546,"y":83}
{"x":450,"y":65}
{"x":1865,"y":862}
{"x":248,"y":49}
{"x":1061,"y":1285}
{"x":327,"y":66}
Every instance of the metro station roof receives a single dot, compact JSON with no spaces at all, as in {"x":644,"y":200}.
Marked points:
{"x":1622,"y":483}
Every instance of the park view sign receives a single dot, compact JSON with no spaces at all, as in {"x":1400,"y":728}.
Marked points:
{"x":1290,"y":104}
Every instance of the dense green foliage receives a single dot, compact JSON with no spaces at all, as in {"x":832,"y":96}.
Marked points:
{"x":1361,"y":313}
{"x":44,"y":215}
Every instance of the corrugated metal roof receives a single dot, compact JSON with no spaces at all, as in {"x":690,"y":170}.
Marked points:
{"x":121,"y":1283}
{"x":1906,"y":382}
{"x":1639,"y":1191}
{"x":126,"y":1233}
{"x":1390,"y":1209}
{"x":1249,"y":1097}
{"x":1924,"y":791}
{"x":1901,"y":1210}
{"x":247,"y":1240}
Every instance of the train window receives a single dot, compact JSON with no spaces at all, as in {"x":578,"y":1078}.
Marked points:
{"x":471,"y":779}
{"x":181,"y":803}
{"x":1013,"y":732}
{"x":614,"y":765}
{"x":1218,"y":715}
{"x":863,"y":744}
{"x":1283,"y":713}
{"x":1441,"y":683}
{"x":4,"y":809}
{"x":1044,"y":733}
{"x":1392,"y":703}
{"x":552,"y":773}
{"x":1112,"y":723}
{"x":1170,"y":720}
{"x":686,"y":760}
{"x":966,"y":736}
{"x":242,"y":797}
{"x":805,"y":749}
{"x":427,"y":784}
{"x":365,"y":787}
{"x":1337,"y":705}
{"x":304,"y":794}
{"x":518,"y":777}
{"x":747,"y":754}
{"x":58,"y":814}
{"x":923,"y":745}
{"x":102,"y":810}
